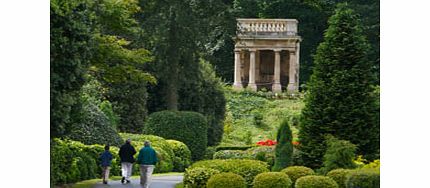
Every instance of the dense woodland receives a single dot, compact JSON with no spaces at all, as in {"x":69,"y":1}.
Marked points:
{"x":116,"y":62}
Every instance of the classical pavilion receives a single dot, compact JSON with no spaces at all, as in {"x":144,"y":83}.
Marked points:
{"x":267,"y":54}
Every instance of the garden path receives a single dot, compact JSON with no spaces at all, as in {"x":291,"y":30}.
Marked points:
{"x":167,"y":181}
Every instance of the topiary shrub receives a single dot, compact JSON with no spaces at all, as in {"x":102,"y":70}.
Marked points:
{"x":228,"y":179}
{"x":315,"y":182}
{"x":187,"y":127}
{"x":198,"y":177}
{"x":182,"y":155}
{"x":339,"y":154}
{"x":295,"y":172}
{"x":248,"y":169}
{"x":363,"y":178}
{"x":339,"y":175}
{"x":209,"y":153}
{"x":284,"y":148}
{"x":272,"y":180}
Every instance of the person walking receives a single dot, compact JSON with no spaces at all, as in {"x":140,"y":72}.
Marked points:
{"x":126,"y":153}
{"x":106,"y":160}
{"x":147,"y":159}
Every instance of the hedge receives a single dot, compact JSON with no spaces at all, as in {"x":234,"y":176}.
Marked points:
{"x":248,"y":169}
{"x":198,"y":177}
{"x":220,"y":148}
{"x":262,"y":153}
{"x":272,"y":180}
{"x":188,"y":127}
{"x":72,"y":161}
{"x":339,"y":175}
{"x":315,"y":182}
{"x":232,"y":154}
{"x":182,"y":155}
{"x":295,"y":172}
{"x":223,"y":180}
{"x":363,"y":178}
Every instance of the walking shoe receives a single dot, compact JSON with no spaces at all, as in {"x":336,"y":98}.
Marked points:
{"x":104,"y":182}
{"x":122,"y":180}
{"x":128,"y":181}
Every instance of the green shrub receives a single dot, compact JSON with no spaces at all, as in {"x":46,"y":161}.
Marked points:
{"x":339,"y":175}
{"x":72,"y":161}
{"x":95,"y":128}
{"x":188,"y":127}
{"x":284,"y":148}
{"x":223,"y":180}
{"x":363,"y":178}
{"x":339,"y":154}
{"x":248,"y":169}
{"x":315,"y":182}
{"x":182,"y":155}
{"x":263,"y":153}
{"x":295,"y":172}
{"x":209,"y":153}
{"x":272,"y":180}
{"x":198,"y":177}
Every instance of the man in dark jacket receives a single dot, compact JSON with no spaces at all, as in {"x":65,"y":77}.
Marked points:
{"x":126,"y":153}
{"x":147,"y":159}
{"x":105,"y":162}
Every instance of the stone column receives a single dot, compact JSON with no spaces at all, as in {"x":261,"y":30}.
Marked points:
{"x":276,"y":87}
{"x":298,"y":65}
{"x":237,"y":68}
{"x":251,"y":84}
{"x":292,"y":72}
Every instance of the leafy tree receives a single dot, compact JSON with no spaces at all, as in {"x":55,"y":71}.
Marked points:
{"x":284,"y":147}
{"x":72,"y":25}
{"x":340,"y":100}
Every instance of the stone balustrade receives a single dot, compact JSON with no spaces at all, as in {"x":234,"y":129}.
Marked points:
{"x":271,"y":27}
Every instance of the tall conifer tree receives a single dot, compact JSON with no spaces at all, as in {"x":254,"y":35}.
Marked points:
{"x":340,"y":99}
{"x":284,"y":147}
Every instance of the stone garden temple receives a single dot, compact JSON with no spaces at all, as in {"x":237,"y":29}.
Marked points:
{"x":267,"y":54}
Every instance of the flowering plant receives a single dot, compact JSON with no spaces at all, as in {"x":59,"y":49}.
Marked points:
{"x":268,"y":142}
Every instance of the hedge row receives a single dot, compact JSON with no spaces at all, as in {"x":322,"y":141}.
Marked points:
{"x":261,"y":153}
{"x":248,"y":169}
{"x":188,"y":127}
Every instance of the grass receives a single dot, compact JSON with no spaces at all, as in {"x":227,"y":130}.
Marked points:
{"x":90,"y":183}
{"x":252,"y":117}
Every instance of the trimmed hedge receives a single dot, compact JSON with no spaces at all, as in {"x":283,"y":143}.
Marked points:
{"x":72,"y":161}
{"x":262,"y":153}
{"x":209,"y":153}
{"x":339,"y":175}
{"x":232,"y":154}
{"x":315,"y":182}
{"x":295,"y":172}
{"x":248,"y":169}
{"x":188,"y":127}
{"x":223,"y":180}
{"x":272,"y":180}
{"x":220,"y":148}
{"x":198,"y":177}
{"x":363,"y":178}
{"x":182,"y":155}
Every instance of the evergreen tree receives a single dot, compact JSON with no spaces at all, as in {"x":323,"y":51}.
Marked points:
{"x":340,"y":100}
{"x":284,"y":147}
{"x":339,"y":154}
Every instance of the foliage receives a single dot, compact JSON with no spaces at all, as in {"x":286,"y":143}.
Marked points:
{"x":284,"y":148}
{"x":315,"y":182}
{"x":365,"y":178}
{"x":231,"y":154}
{"x":339,"y":175}
{"x":261,"y":153}
{"x":228,"y":179}
{"x":296,"y":172}
{"x":220,"y":148}
{"x":273,"y":180}
{"x":209,"y":153}
{"x":248,"y":169}
{"x":187,"y":127}
{"x":71,"y":27}
{"x":182,"y":155}
{"x":340,"y":100}
{"x":72,"y":161}
{"x":339,"y":154}
{"x":198,"y":177}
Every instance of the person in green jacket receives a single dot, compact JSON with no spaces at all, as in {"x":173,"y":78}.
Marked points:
{"x":147,"y":159}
